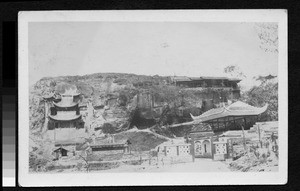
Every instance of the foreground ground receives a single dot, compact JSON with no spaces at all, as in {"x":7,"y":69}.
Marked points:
{"x":200,"y":165}
{"x":141,"y":158}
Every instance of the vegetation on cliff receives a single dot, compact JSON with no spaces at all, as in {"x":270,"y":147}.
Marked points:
{"x":266,"y":92}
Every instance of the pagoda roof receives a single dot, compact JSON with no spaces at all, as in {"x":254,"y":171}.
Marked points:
{"x":64,"y":103}
{"x":236,"y":109}
{"x":65,"y":117}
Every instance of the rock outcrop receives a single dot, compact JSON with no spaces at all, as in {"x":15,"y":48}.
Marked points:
{"x":121,"y":101}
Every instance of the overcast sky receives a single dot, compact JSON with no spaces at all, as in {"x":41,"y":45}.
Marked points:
{"x":150,"y":48}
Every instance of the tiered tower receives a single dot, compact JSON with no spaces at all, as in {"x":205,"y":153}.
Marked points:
{"x":65,"y":119}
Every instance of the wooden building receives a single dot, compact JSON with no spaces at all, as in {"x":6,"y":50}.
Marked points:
{"x":230,"y":84}
{"x":109,"y":144}
{"x":64,"y":117}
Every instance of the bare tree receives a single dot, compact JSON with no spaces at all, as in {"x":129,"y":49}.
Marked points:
{"x":85,"y":159}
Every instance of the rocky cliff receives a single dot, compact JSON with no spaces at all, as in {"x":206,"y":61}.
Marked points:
{"x":122,"y":101}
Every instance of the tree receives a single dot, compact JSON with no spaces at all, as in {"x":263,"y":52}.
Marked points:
{"x":266,"y":92}
{"x":87,"y":165}
{"x":234,"y":71}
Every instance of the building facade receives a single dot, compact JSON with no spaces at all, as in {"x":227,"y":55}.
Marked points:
{"x":230,"y":84}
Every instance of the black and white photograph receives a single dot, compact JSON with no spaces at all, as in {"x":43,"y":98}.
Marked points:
{"x":152,"y":97}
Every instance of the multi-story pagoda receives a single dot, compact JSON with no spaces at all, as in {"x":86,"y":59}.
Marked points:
{"x":65,"y":118}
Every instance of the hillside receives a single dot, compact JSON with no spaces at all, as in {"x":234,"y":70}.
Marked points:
{"x":114,"y":100}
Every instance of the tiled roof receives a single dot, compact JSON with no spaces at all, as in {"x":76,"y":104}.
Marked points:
{"x":65,"y":117}
{"x":65,"y":104}
{"x":234,"y":110}
{"x":181,"y":78}
{"x":213,"y":78}
{"x":185,"y":78}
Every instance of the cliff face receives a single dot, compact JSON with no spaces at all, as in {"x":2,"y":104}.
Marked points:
{"x":118,"y":102}
{"x":112,"y":97}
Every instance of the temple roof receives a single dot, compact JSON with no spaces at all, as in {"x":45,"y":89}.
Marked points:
{"x":65,"y":104}
{"x":209,"y":78}
{"x":65,"y":117}
{"x":185,"y":78}
{"x":236,"y":109}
